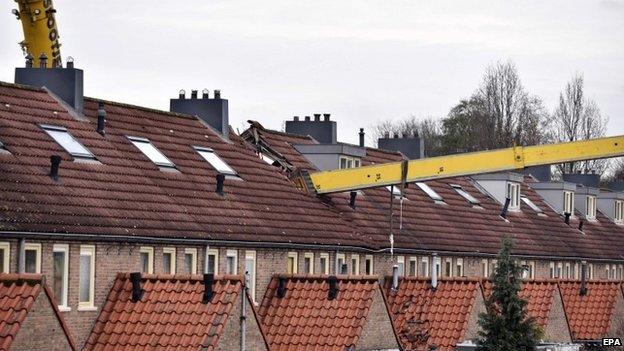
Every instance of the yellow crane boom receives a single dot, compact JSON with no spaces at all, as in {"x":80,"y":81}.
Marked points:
{"x":513,"y":158}
{"x":40,"y":32}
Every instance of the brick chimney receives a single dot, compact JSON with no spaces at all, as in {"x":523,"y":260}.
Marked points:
{"x":323,"y":130}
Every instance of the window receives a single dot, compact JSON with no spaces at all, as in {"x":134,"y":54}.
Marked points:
{"x":291,"y":263}
{"x":553,"y":274}
{"x":413,"y":266}
{"x":324,"y":263}
{"x":448,"y":267}
{"x":485,"y":268}
{"x":620,"y":274}
{"x":619,"y":211}
{"x":355,"y":265}
{"x":60,"y":273}
{"x":401,"y":264}
{"x":169,"y":260}
{"x":465,"y":194}
{"x":33,"y":258}
{"x":266,"y":158}
{"x":567,"y":272}
{"x":67,"y":141}
{"x":341,"y":265}
{"x":308,"y":263}
{"x":430,"y":192}
{"x":149,"y":150}
{"x":493,"y":265}
{"x":215,"y":161}
{"x":369,"y":265}
{"x":190,"y":261}
{"x":607,"y":271}
{"x":424,"y":267}
{"x":531,"y":204}
{"x":513,"y":193}
{"x":147,"y":259}
{"x":590,"y":271}
{"x":559,"y":271}
{"x":348,"y":162}
{"x":396,"y":191}
{"x":576,"y":271}
{"x":5,"y":253}
{"x":212,"y":261}
{"x":568,"y":202}
{"x":437,"y":261}
{"x":250,"y":271}
{"x":531,"y":270}
{"x":86,"y":284}
{"x":231,"y":262}
{"x":459,"y":267}
{"x":590,"y":209}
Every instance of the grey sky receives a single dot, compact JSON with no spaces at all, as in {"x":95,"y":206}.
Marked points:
{"x":362,"y":61}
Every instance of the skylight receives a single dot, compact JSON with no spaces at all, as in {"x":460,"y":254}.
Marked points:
{"x":215,"y":161}
{"x":427,"y":189}
{"x":67,"y":141}
{"x":396,"y":191}
{"x":531,"y":204}
{"x":151,"y":151}
{"x":465,"y":194}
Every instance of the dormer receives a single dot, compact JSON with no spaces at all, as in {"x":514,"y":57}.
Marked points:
{"x":611,"y":204}
{"x":559,"y":195}
{"x":501,"y":186}
{"x":332,"y":156}
{"x":585,"y":200}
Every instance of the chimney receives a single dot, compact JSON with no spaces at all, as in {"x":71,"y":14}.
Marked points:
{"x":220,"y":180}
{"x":212,"y":111}
{"x":434,"y":272}
{"x":411,"y":146}
{"x":281,"y":287}
{"x":55,"y":163}
{"x":66,"y":83}
{"x":324,"y":131}
{"x":588,"y":180}
{"x":137,"y":292}
{"x":616,"y":185}
{"x":208,"y":292}
{"x":361,"y":137}
{"x":395,"y":277}
{"x":352,"y":197}
{"x":583,"y":290}
{"x":333,"y":287}
{"x":101,"y":118}
{"x":505,"y":208}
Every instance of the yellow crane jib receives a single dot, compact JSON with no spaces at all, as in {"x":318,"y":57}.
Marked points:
{"x":40,"y":32}
{"x":513,"y":158}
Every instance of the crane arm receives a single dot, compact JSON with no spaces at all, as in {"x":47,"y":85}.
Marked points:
{"x":40,"y":31}
{"x":513,"y":158}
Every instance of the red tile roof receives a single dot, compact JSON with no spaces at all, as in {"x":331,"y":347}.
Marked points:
{"x":539,"y":294}
{"x":424,"y":317}
{"x":169,"y":315}
{"x":590,"y":316}
{"x":18,"y":293}
{"x":306,"y":319}
{"x":126,"y":194}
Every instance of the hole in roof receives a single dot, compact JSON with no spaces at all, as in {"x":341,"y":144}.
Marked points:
{"x":149,"y":150}
{"x":430,"y":192}
{"x":466,"y":195}
{"x":531,"y":204}
{"x":67,"y":141}
{"x":215,"y":161}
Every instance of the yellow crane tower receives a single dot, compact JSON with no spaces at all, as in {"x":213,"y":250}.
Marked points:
{"x":41,"y":36}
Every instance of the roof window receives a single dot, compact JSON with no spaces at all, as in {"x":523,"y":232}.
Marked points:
{"x":465,"y":194}
{"x":215,"y":161}
{"x":396,"y":190}
{"x":427,"y":189}
{"x":149,"y":150}
{"x":531,"y":204}
{"x":67,"y":141}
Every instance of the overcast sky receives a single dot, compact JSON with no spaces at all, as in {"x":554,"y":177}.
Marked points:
{"x":361,"y":61}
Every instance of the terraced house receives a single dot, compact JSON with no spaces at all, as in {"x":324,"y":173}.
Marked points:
{"x":92,"y":188}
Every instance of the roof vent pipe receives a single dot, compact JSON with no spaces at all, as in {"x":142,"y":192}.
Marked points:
{"x":326,"y":117}
{"x":43,"y":60}
{"x":434,"y":272}
{"x":55,"y":163}
{"x":205,"y":94}
{"x":317,"y":117}
{"x":395,"y":277}
{"x":581,"y":222}
{"x":333,"y":287}
{"x":281,"y":287}
{"x":296,"y":118}
{"x":505,"y":208}
{"x":208,"y":292}
{"x":217,"y":94}
{"x":361,"y":137}
{"x":307,"y":118}
{"x":583,"y":290}
{"x":220,"y":180}
{"x":352,"y":197}
{"x":193,"y":94}
{"x":29,"y":61}
{"x":137,"y":292}
{"x":70,"y":62}
{"x":101,"y":118}
{"x":567,"y":218}
{"x":182,"y":94}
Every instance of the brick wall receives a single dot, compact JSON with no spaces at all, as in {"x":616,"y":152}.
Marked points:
{"x":41,"y":329}
{"x":377,"y":333}
{"x":472,"y":330}
{"x":231,"y":335}
{"x":557,"y":328}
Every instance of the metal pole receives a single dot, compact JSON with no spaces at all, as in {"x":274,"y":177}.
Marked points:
{"x":243,"y":317}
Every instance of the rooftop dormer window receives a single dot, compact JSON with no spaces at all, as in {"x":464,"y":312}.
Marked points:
{"x":149,"y":150}
{"x":67,"y":141}
{"x":432,"y":193}
{"x":619,"y":212}
{"x":568,"y":202}
{"x":349,"y":162}
{"x":463,"y":193}
{"x":513,"y":194}
{"x":215,"y":161}
{"x":590,"y":207}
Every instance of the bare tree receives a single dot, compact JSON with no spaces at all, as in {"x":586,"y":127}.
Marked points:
{"x":426,"y":128}
{"x":578,"y":118}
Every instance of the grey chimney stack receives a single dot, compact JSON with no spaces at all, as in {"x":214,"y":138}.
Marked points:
{"x":55,"y":163}
{"x":212,"y":111}
{"x":137,"y":292}
{"x":281,"y":287}
{"x":324,"y":131}
{"x":333,"y":287}
{"x":411,"y":146}
{"x":361,"y":137}
{"x":208,"y":292}
{"x":434,"y":272}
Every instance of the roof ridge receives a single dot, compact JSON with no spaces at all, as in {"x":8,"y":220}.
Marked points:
{"x":302,"y":276}
{"x":8,"y":277}
{"x":441,"y":279}
{"x":273,"y":131}
{"x":138,"y":107}
{"x":181,"y":277}
{"x":21,"y":86}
